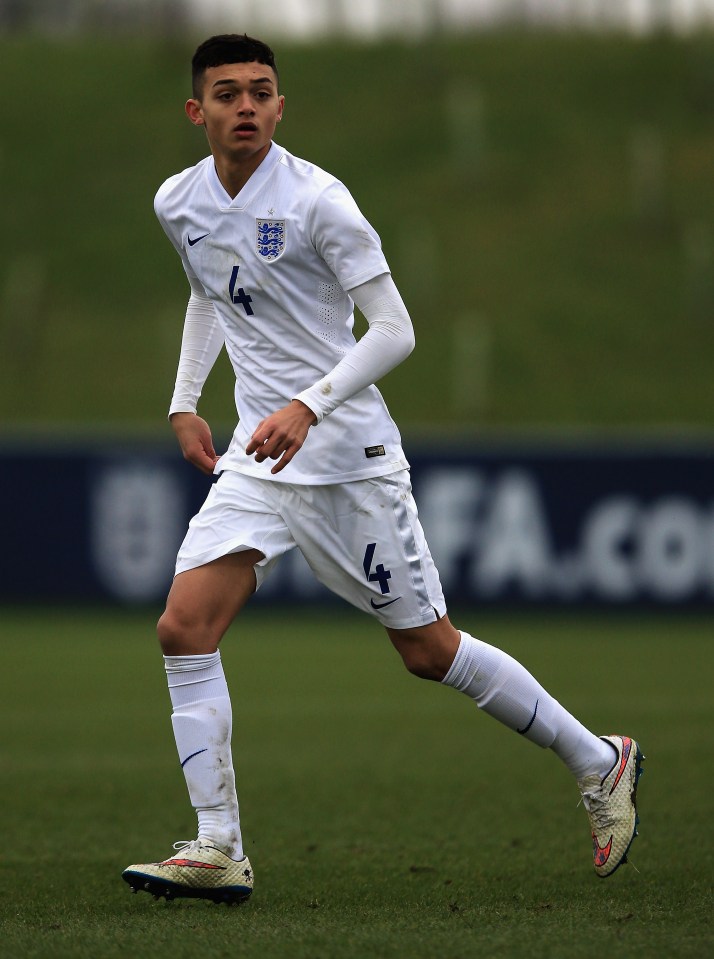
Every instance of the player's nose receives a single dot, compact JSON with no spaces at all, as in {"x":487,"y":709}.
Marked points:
{"x":244,"y":106}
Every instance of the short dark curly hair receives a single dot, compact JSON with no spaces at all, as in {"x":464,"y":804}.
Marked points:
{"x":228,"y":48}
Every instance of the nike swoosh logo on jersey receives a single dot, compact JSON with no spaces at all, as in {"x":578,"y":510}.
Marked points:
{"x":382,"y":605}
{"x":195,"y":241}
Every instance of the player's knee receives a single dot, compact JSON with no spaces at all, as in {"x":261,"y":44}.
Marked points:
{"x":421,"y":662}
{"x":427,"y":652}
{"x":185,"y":635}
{"x":174,"y":635}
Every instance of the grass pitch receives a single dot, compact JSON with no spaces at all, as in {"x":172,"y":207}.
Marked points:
{"x":384,"y":817}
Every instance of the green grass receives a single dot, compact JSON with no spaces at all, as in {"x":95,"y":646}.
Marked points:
{"x":384,"y":817}
{"x":549,"y":193}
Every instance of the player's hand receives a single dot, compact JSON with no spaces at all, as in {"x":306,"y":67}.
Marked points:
{"x":194,"y":436}
{"x":280,"y":435}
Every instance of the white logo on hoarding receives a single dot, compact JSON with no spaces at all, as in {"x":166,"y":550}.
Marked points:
{"x":137,"y":523}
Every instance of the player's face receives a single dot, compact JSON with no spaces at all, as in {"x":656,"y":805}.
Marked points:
{"x":240,"y":108}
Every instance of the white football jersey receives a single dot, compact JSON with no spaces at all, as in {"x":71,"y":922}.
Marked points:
{"x":278,"y":262}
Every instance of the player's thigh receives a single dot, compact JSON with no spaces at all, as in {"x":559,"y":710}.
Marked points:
{"x":363,"y":540}
{"x":204,"y":601}
{"x":231,"y":544}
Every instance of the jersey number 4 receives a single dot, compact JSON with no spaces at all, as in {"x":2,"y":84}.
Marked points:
{"x":380,"y":574}
{"x":239,"y":295}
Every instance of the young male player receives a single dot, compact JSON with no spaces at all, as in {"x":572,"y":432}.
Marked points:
{"x":277,"y":254}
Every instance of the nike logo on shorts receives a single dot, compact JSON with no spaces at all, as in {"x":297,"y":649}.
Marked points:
{"x":382,"y":605}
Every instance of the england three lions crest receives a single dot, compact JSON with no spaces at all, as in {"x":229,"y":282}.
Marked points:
{"x":270,"y":238}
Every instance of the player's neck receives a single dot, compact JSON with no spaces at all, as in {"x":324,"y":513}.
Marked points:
{"x":235,"y":173}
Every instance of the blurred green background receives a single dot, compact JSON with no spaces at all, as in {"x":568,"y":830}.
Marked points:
{"x":545,"y":202}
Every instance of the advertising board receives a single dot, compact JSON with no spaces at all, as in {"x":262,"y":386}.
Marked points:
{"x":601,"y":525}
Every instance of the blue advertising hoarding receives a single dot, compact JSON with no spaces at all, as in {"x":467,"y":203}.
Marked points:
{"x":522,"y":526}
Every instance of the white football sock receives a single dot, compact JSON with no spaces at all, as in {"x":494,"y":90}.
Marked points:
{"x":202,"y":722}
{"x":504,"y":689}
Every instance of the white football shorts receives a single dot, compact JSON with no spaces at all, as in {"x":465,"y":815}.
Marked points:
{"x":363,"y":540}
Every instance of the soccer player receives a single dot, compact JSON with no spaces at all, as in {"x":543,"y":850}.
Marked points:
{"x":277,"y":254}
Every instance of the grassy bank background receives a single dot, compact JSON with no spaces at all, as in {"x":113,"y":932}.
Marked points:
{"x":545,"y":202}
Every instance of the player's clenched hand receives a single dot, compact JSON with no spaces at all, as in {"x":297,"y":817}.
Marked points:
{"x":280,"y":435}
{"x":194,"y":436}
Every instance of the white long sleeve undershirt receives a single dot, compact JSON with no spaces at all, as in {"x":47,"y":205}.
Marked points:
{"x":200,"y":345}
{"x":387,"y":342}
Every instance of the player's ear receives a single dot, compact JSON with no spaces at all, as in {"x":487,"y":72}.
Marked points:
{"x":194,"y":112}
{"x":281,"y":106}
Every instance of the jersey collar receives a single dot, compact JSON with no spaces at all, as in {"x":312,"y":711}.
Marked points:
{"x":254,"y":184}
